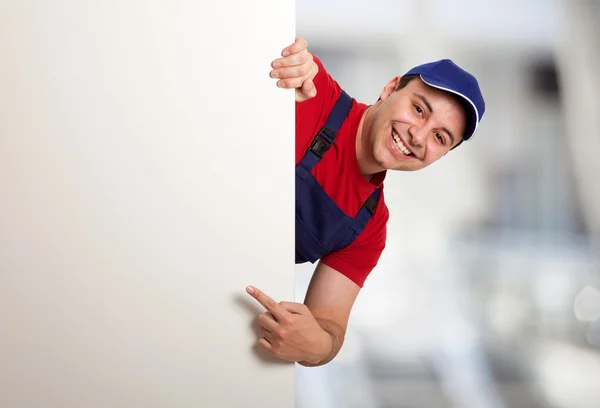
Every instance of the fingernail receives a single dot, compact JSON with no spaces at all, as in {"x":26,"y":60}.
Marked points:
{"x":274,"y":74}
{"x":281,"y":84}
{"x":276,"y":65}
{"x":250,"y":289}
{"x":285,"y":53}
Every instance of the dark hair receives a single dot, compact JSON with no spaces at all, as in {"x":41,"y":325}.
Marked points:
{"x":405,"y":80}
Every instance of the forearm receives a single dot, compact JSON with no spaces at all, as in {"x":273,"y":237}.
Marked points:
{"x":336,"y":334}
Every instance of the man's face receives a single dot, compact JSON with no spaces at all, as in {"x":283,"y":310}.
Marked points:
{"x":414,"y":126}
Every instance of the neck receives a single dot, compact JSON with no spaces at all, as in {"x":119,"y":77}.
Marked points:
{"x":364,"y":154}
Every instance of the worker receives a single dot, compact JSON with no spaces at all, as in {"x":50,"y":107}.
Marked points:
{"x":343,"y":150}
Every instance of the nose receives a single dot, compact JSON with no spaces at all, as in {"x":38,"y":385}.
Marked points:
{"x":417,"y":138}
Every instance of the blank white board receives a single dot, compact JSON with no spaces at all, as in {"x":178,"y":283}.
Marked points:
{"x":146,"y":178}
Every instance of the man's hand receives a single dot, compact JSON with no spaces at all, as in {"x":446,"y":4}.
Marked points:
{"x":290,"y":332}
{"x":296,"y":69}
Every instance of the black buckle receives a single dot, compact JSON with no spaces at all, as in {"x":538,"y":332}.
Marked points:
{"x":320,"y":144}
{"x":370,"y":204}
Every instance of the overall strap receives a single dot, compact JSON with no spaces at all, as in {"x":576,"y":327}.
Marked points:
{"x":326,"y":136}
{"x":368,"y":207}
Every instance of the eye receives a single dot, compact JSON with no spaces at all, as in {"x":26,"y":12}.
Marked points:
{"x":440,"y":138}
{"x":419,"y":110}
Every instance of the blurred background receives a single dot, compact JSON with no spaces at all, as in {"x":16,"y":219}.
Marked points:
{"x":488,"y":294}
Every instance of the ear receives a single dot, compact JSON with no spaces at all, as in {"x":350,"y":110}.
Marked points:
{"x":389,"y":88}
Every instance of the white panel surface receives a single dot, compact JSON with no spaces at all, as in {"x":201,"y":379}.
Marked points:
{"x":146,"y":178}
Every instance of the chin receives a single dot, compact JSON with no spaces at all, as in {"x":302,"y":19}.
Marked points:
{"x":385,"y":161}
{"x":388,"y":161}
{"x":404,"y":166}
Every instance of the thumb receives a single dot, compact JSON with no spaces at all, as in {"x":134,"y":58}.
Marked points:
{"x":309,"y":89}
{"x":294,"y":307}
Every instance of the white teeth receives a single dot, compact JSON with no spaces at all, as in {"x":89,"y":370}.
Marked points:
{"x":399,"y":144}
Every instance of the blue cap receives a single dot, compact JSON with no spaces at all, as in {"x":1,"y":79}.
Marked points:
{"x":446,"y":75}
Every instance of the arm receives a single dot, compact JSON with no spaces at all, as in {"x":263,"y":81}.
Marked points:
{"x":311,"y":333}
{"x":330,"y":297}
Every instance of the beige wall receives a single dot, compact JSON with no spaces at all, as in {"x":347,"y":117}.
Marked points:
{"x":137,"y":191}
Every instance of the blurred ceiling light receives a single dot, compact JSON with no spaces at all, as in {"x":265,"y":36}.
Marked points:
{"x":587,"y":304}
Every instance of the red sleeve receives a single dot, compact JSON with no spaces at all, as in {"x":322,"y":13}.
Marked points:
{"x":357,"y":260}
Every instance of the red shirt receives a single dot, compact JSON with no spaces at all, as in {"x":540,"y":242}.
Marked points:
{"x":339,"y":175}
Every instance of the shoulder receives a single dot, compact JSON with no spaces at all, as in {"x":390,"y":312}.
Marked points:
{"x":328,"y":90}
{"x":312,"y":113}
{"x":322,"y":78}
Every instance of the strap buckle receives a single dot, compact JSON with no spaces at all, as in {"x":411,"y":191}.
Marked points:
{"x":322,"y":142}
{"x":370,"y":204}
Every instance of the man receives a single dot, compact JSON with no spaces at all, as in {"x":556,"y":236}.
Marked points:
{"x":343,"y":150}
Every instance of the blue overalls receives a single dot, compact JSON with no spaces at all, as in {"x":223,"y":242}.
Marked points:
{"x":321,"y":226}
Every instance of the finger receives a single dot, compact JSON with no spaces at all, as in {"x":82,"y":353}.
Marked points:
{"x":266,"y":345}
{"x":296,"y":47}
{"x":275,"y":308}
{"x":310,"y":90}
{"x":286,"y":51}
{"x":267,"y":321}
{"x":266,"y":334}
{"x":292,"y":60}
{"x":293,"y":307}
{"x":298,"y":80}
{"x":290,"y":83}
{"x":291,"y":72}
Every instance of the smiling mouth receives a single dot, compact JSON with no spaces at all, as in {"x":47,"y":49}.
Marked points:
{"x":399,"y":145}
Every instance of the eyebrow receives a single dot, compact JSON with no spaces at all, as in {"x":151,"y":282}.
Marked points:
{"x":426,"y":102}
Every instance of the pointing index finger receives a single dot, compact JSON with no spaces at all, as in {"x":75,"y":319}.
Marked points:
{"x":273,"y":307}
